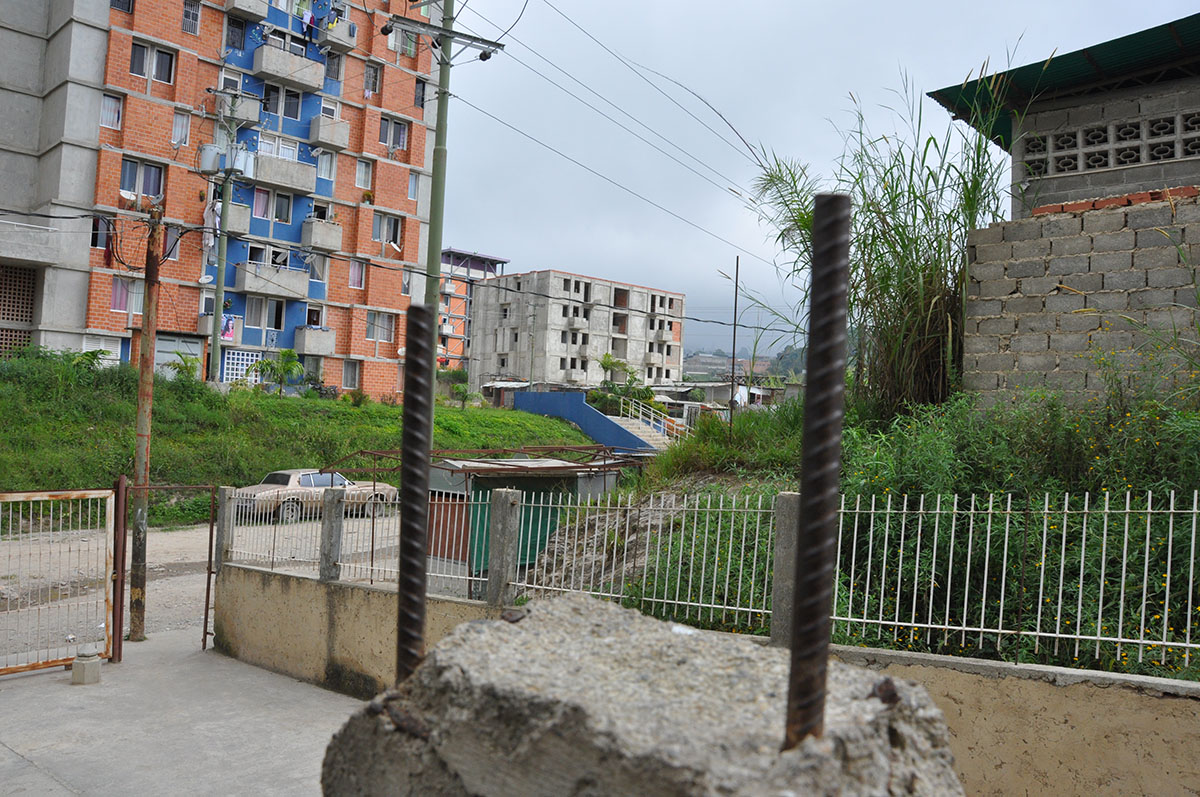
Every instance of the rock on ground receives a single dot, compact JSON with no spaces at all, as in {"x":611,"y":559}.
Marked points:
{"x":582,"y":697}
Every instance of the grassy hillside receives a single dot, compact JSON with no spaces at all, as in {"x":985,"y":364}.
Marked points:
{"x":67,"y":425}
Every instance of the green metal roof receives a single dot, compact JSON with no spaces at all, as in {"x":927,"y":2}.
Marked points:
{"x":1154,"y":55}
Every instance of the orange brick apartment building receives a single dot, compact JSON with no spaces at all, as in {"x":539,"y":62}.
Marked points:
{"x":326,"y":220}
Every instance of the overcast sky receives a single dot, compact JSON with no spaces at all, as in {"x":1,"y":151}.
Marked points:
{"x":781,"y":72}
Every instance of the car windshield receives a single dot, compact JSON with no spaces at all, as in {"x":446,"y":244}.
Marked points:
{"x":278,"y":478}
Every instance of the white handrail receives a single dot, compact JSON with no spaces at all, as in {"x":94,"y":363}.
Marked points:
{"x":673,"y":428}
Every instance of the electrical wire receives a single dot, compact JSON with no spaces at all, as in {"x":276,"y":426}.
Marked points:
{"x":649,"y":82}
{"x":612,"y":104}
{"x":611,"y":181}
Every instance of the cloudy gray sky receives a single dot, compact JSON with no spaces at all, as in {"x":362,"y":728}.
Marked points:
{"x":781,"y":72}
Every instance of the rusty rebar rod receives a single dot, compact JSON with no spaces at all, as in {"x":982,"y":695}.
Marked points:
{"x":414,"y":490}
{"x":824,"y":408}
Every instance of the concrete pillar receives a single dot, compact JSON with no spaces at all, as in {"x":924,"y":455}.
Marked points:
{"x":787,"y":527}
{"x":332,"y":515}
{"x":226,"y":507}
{"x":504,"y":528}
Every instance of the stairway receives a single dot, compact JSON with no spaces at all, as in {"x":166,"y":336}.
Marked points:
{"x":643,"y":431}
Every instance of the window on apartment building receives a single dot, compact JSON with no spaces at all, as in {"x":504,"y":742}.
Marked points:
{"x":670,"y":325}
{"x":124,"y":5}
{"x":419,"y":94}
{"x":414,"y":184}
{"x":504,"y":310}
{"x":164,"y":65}
{"x":278,"y":147}
{"x":231,"y":80}
{"x":574,"y":337}
{"x":503,"y":362}
{"x":576,"y":288}
{"x":101,"y":229}
{"x":583,"y":363}
{"x":372,"y":79}
{"x":110,"y":111}
{"x":516,"y":336}
{"x":668,"y":373}
{"x":380,"y":326}
{"x":670,"y":304}
{"x":393,"y":134}
{"x":191,"y":17}
{"x":350,"y":374}
{"x":358,"y":271}
{"x":386,"y":228}
{"x":314,"y":316}
{"x":264,"y":313}
{"x":649,"y":348}
{"x":235,"y":33}
{"x":279,"y":100}
{"x":563,"y":336}
{"x":170,"y":242}
{"x":565,"y":313}
{"x":141,"y":179}
{"x":127,"y":295}
{"x":181,"y":129}
{"x":583,"y":338}
{"x":669,"y":351}
{"x":333,"y":66}
{"x":567,"y":285}
{"x":362,"y":174}
{"x":562,"y":363}
{"x":262,"y":203}
{"x":320,"y":210}
{"x":293,"y":43}
{"x":325,"y":164}
{"x":283,"y":208}
{"x":318,"y":268}
{"x":650,"y":372}
{"x":330,"y":108}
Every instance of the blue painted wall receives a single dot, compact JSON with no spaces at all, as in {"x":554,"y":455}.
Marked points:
{"x":573,"y":407}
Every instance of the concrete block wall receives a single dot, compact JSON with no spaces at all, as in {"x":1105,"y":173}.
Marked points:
{"x":1050,"y":294}
{"x":1133,"y":139}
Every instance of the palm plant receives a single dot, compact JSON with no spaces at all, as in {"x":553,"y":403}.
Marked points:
{"x":286,"y":368}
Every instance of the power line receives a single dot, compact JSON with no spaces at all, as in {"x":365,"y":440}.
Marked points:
{"x":649,"y":82}
{"x":613,"y":182}
{"x":611,"y":104}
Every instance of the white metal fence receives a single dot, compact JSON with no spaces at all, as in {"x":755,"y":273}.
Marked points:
{"x":284,"y":533}
{"x":700,"y":558}
{"x":673,"y":428}
{"x":56,"y":571}
{"x":1103,"y":581}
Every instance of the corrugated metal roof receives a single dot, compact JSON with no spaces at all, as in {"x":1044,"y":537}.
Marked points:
{"x":1154,"y":55}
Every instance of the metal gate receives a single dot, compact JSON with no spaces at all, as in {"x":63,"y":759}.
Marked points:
{"x":56,"y":577}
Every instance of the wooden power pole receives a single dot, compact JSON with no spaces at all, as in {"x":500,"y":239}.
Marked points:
{"x":145,"y":403}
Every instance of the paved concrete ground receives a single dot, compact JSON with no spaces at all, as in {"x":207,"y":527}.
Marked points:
{"x":168,"y":719}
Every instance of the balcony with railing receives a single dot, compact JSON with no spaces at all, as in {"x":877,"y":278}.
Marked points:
{"x":271,"y":280}
{"x":321,"y":234}
{"x":339,"y":37}
{"x":252,"y":10}
{"x":315,"y":341}
{"x":239,"y":107}
{"x":282,"y":66}
{"x":290,"y":175}
{"x":230,"y":337}
{"x":329,"y":133}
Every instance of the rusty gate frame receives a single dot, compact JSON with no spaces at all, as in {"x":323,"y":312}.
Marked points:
{"x":113,"y":597}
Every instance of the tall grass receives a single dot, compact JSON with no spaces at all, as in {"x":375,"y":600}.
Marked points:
{"x":915,"y":195}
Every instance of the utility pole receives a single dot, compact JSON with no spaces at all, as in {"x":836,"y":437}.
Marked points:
{"x":737,"y":276}
{"x":145,"y":403}
{"x":444,"y":37}
{"x":214,"y":348}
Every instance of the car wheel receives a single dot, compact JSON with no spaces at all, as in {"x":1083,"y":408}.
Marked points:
{"x":289,"y":511}
{"x":376,"y":506}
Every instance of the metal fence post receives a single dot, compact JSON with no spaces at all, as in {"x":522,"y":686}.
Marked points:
{"x":332,"y":514}
{"x":783,"y":572}
{"x":504,"y":528}
{"x":225,"y":518}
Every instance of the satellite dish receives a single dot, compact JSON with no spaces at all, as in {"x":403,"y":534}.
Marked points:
{"x":393,"y":245}
{"x":207,"y":278}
